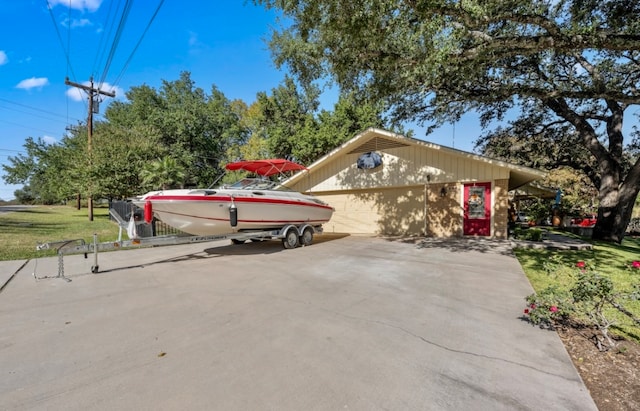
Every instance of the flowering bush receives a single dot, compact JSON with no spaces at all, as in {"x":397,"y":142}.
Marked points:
{"x":586,"y":299}
{"x":549,"y":307}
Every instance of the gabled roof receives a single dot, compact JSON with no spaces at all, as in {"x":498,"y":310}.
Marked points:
{"x":373,"y":139}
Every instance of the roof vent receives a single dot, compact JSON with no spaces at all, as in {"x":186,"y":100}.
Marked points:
{"x":377,"y":143}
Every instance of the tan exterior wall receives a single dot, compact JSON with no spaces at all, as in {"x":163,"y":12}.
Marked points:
{"x":418,"y":190}
{"x":401,"y":211}
{"x":402,"y":167}
{"x":398,"y":211}
{"x":500,"y":208}
{"x":444,"y":210}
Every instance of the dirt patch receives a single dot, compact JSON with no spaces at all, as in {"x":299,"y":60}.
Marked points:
{"x":612,"y":377}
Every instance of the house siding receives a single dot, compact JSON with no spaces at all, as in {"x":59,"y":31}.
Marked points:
{"x":418,"y":190}
{"x":405,"y":166}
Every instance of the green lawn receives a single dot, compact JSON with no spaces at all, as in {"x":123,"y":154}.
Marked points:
{"x":21,"y":231}
{"x":611,"y":260}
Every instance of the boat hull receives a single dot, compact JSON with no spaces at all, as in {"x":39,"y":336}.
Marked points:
{"x":207,"y":212}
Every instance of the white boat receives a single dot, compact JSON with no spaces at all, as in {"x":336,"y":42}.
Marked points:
{"x":251,"y":204}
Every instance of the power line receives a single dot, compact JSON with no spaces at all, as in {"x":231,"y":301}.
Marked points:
{"x":11,"y":151}
{"x":116,"y":41}
{"x":27,"y":127}
{"x":126,"y":64}
{"x":32,"y":114}
{"x":109,"y":22}
{"x":55,"y":26}
{"x":51,"y":113}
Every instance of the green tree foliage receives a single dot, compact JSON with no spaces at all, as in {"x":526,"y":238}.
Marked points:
{"x":162,"y":174}
{"x":118,"y":156}
{"x":567,"y":70}
{"x":293,"y":126}
{"x":179,"y":135}
{"x":46,"y":171}
{"x":193,"y":127}
{"x":288,"y":118}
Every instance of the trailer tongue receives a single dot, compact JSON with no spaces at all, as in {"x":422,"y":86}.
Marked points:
{"x":291,"y":235}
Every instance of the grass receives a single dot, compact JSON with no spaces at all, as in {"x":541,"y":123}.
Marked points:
{"x":611,"y":260}
{"x":21,"y":231}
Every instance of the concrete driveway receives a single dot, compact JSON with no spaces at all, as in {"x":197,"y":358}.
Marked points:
{"x":347,"y":323}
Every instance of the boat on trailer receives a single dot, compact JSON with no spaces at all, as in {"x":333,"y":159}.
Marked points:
{"x":250,"y":204}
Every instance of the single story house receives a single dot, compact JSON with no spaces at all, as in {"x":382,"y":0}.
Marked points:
{"x":386,"y":184}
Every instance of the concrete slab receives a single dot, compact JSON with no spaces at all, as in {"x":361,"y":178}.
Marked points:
{"x":8,"y":269}
{"x":347,"y":323}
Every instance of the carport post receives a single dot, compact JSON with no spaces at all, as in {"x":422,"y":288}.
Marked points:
{"x":426,"y":203}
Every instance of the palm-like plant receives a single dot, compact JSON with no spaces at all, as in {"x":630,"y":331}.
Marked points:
{"x":162,"y":173}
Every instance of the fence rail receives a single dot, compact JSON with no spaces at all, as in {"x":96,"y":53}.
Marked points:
{"x":156,"y":228}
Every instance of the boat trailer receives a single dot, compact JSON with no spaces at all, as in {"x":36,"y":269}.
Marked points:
{"x":291,"y":235}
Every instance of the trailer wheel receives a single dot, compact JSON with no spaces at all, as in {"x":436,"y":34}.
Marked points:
{"x":291,"y":239}
{"x":236,"y":241}
{"x":307,"y":237}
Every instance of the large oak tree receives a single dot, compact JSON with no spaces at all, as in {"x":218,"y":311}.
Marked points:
{"x":558,"y":72}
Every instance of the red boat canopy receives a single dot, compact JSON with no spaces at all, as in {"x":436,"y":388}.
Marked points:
{"x":265,"y":167}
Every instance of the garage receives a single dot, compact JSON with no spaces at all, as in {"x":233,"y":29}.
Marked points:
{"x":413,"y":188}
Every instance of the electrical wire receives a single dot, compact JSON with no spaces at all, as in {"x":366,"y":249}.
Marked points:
{"x":27,"y":127}
{"x":116,"y":41}
{"x":69,"y":37}
{"x":55,"y":26}
{"x":126,"y":64}
{"x":51,"y":113}
{"x":32,"y":114}
{"x":101,"y":49}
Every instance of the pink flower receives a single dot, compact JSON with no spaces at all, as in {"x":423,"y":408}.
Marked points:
{"x":635,"y":264}
{"x":581,"y":264}
{"x":526,"y":311}
{"x":553,"y":309}
{"x":533,"y":306}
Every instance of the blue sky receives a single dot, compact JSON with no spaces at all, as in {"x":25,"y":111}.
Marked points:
{"x":221,"y":43}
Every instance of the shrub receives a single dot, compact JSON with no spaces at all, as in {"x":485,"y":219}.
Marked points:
{"x":587,"y":298}
{"x":548,"y":307}
{"x":529,"y":234}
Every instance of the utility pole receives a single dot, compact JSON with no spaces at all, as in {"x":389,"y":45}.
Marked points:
{"x":93,"y":93}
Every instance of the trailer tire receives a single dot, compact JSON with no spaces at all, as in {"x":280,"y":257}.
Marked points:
{"x":236,"y":241}
{"x":291,"y":239}
{"x":307,"y":237}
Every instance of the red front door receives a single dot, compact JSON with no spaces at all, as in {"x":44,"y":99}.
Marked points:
{"x":477,"y":209}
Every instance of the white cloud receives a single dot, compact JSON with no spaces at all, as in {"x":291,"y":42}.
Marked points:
{"x":33,"y":82}
{"x":74,"y":23}
{"x":49,"y":140}
{"x":77,"y":94}
{"x":193,"y":39}
{"x":3,"y":58}
{"x":82,"y":5}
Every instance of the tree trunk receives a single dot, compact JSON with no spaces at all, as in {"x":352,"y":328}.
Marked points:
{"x":614,"y":215}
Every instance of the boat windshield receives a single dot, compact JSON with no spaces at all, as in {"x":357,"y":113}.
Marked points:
{"x":256,"y":184}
